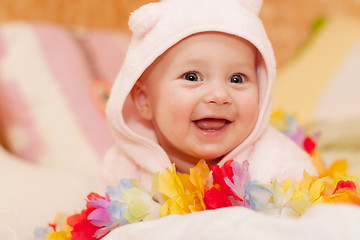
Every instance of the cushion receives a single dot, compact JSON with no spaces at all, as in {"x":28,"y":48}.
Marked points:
{"x":53,"y":86}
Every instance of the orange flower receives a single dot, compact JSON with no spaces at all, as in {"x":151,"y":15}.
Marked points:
{"x":345,"y":192}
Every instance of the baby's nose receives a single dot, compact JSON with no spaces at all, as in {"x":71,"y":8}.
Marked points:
{"x":218,"y":94}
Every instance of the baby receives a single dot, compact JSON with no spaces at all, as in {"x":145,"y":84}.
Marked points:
{"x":196,"y":84}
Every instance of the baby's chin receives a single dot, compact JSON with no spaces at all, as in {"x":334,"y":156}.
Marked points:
{"x":189,"y":161}
{"x":212,"y":154}
{"x":211,"y":160}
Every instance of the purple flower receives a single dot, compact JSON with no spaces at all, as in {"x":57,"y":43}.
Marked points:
{"x":100,"y":216}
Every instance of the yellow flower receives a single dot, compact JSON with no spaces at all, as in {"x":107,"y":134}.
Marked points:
{"x":337,"y":170}
{"x":62,"y":235}
{"x":307,"y":192}
{"x":314,"y":190}
{"x":278,"y":120}
{"x":282,"y":194}
{"x":62,"y":229}
{"x":183,"y":193}
{"x":316,"y":160}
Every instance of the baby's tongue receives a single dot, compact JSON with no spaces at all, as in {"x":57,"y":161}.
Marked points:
{"x":210,"y":123}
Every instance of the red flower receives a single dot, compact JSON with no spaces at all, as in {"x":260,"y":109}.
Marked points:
{"x":53,"y":226}
{"x":349,"y":185}
{"x":82,"y":227}
{"x":214,"y":198}
{"x":220,"y":193}
{"x":309,"y":145}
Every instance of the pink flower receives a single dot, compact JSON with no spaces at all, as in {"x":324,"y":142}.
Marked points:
{"x":240,"y":180}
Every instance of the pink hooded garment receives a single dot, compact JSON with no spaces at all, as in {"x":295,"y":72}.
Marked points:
{"x":158,"y":26}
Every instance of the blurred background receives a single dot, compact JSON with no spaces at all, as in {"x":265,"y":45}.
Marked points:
{"x":289,"y":23}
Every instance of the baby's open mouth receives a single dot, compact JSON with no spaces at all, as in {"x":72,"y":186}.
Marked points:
{"x":211,"y":124}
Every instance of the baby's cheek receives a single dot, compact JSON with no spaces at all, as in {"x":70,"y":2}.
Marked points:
{"x":252,"y":108}
{"x":250,"y":104}
{"x":253,"y":114}
{"x":180,"y":103}
{"x":170,"y":113}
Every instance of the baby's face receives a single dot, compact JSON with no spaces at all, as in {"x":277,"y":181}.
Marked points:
{"x":201,"y":96}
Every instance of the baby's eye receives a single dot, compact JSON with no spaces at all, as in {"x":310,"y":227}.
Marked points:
{"x":237,"y":78}
{"x":191,"y":76}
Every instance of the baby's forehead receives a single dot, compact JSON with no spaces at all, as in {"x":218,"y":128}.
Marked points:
{"x":194,"y":48}
{"x":213,"y":37}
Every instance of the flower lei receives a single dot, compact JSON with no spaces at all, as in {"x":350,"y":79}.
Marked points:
{"x":178,"y":193}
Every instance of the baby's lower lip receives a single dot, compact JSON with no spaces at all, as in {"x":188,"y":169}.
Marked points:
{"x":210,"y":126}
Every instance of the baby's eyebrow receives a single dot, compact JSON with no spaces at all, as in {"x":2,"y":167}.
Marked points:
{"x":194,"y":60}
{"x":191,"y":64}
{"x":242,"y":65}
{"x":247,"y":65}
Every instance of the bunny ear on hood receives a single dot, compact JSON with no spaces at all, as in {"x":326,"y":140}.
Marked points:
{"x":144,"y":19}
{"x":158,"y":26}
{"x":252,"y":5}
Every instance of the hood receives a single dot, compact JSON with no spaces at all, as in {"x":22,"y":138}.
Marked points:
{"x":158,"y":26}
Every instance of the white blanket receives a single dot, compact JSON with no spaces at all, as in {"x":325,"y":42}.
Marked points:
{"x":324,"y":221}
{"x":32,"y":195}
